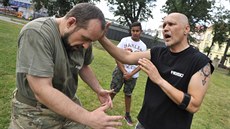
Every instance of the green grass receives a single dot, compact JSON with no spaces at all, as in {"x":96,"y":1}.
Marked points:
{"x":213,"y":114}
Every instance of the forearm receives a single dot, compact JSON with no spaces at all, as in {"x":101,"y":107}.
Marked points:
{"x":177,"y":97}
{"x":89,"y":78}
{"x":174,"y":94}
{"x":197,"y":86}
{"x":119,"y":54}
{"x":121,"y":67}
{"x":56,"y":100}
{"x":135,"y":71}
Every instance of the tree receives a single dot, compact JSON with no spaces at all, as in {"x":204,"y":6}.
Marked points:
{"x":221,"y":30}
{"x":225,"y":29}
{"x":197,"y":11}
{"x":38,"y":4}
{"x":130,"y":11}
{"x":218,"y":29}
{"x":218,"y":35}
{"x":5,"y":3}
{"x":58,"y":7}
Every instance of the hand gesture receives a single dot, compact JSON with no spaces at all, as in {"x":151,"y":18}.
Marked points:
{"x":150,"y":69}
{"x":104,"y":97}
{"x":127,"y":76}
{"x":98,"y":119}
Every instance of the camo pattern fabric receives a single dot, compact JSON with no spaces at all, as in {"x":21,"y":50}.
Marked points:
{"x":118,"y":81}
{"x":28,"y":117}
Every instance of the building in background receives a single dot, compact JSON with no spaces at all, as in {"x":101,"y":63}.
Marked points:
{"x":205,"y":41}
{"x":24,"y":8}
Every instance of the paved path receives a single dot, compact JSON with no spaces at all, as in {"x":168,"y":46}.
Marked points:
{"x":8,"y":19}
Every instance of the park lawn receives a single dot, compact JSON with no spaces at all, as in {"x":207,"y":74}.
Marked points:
{"x":213,"y":114}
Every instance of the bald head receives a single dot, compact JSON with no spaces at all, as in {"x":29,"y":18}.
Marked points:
{"x":181,"y":18}
{"x":176,"y":30}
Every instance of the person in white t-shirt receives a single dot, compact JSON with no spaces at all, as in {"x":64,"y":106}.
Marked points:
{"x":128,"y":74}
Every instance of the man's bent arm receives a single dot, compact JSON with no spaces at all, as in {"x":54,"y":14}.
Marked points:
{"x":89,"y":77}
{"x":197,"y":87}
{"x":121,"y":67}
{"x":122,"y":55}
{"x":57,"y":101}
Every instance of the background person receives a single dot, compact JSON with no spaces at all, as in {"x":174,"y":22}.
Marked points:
{"x":178,"y":76}
{"x":128,"y":74}
{"x":51,"y":54}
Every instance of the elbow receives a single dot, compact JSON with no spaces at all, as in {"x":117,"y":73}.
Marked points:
{"x":126,"y":58}
{"x":193,"y":108}
{"x":37,"y":96}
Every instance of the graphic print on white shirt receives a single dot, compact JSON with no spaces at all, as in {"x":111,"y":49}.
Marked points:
{"x":135,"y":46}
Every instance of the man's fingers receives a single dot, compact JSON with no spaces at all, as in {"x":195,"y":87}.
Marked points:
{"x":115,"y":118}
{"x":114,"y":124}
{"x":110,"y":91}
{"x":104,"y":107}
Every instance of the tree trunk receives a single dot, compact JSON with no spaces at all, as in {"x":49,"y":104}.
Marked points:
{"x":210,"y":48}
{"x":225,"y":54}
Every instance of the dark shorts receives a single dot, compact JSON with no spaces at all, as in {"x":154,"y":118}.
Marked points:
{"x":118,"y":81}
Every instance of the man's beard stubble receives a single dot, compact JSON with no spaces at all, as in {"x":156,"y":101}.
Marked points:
{"x":65,"y":42}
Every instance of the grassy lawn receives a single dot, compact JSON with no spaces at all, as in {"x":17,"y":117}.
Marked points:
{"x":213,"y":114}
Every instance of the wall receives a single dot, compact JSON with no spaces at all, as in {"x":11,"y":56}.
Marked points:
{"x":117,"y":32}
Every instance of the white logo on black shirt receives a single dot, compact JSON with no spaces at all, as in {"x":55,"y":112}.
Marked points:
{"x":177,"y":74}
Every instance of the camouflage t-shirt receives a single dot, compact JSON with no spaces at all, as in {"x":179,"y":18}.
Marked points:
{"x":41,"y":53}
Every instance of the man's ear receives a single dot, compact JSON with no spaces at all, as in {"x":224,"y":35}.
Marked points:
{"x":187,"y":29}
{"x":71,"y":21}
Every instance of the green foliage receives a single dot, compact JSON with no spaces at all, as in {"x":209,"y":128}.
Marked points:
{"x":130,"y":11}
{"x":221,"y":30}
{"x":207,"y":49}
{"x":221,"y":27}
{"x":197,"y":11}
{"x":5,"y":2}
{"x":213,"y":114}
{"x":38,"y":4}
{"x":58,"y":7}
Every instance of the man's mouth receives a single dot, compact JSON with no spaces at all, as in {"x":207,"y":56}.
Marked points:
{"x":166,"y":36}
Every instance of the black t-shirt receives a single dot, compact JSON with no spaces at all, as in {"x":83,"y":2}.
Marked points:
{"x":158,"y":110}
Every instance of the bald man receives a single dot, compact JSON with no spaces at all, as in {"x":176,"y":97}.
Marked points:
{"x":178,"y":77}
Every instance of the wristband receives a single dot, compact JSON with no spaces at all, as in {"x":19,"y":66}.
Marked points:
{"x":183,"y":105}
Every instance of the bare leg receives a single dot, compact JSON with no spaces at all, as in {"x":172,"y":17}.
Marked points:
{"x":127,"y":103}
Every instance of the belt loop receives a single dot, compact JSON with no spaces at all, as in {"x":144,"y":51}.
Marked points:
{"x":38,"y":106}
{"x":14,"y":92}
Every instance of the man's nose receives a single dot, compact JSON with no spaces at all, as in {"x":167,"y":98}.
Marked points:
{"x":165,"y":28}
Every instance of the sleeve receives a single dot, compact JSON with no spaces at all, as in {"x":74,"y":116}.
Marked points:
{"x":202,"y":60}
{"x":154,"y":54}
{"x":34,"y":55}
{"x":121,"y":43}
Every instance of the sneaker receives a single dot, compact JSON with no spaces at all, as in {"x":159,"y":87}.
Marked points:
{"x":129,"y":120}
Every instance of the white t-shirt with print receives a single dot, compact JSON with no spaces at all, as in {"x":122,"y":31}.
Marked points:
{"x":135,"y":46}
